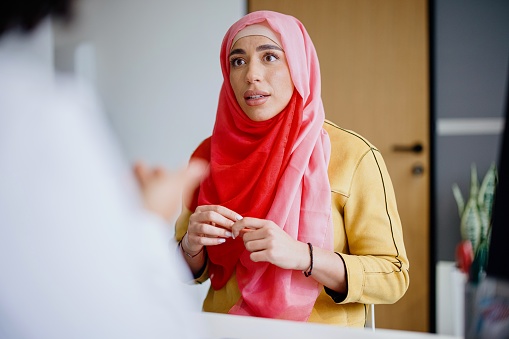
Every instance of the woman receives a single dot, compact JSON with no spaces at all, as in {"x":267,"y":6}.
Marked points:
{"x":297,"y":218}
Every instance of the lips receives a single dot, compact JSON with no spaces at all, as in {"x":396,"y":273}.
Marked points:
{"x":255,"y":94}
{"x":255,"y":98}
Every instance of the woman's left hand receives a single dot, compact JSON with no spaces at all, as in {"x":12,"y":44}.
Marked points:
{"x":267,"y":242}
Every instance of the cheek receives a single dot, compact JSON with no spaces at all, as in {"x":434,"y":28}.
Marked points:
{"x":234,"y":82}
{"x":286,"y":86}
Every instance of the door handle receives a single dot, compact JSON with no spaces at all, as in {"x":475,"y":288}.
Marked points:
{"x":415,"y":148}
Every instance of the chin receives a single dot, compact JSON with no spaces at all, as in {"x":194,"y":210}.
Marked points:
{"x":261,"y":116}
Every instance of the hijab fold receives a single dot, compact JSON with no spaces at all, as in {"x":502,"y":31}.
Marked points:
{"x":275,"y":170}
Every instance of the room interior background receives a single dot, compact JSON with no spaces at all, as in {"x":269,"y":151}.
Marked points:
{"x":155,"y":65}
{"x":470,"y":55}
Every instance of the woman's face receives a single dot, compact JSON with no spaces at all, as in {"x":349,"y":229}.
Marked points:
{"x":260,"y":77}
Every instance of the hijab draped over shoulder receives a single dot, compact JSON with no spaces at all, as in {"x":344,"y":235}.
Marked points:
{"x":275,"y":170}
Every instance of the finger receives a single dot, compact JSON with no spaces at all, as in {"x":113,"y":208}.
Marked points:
{"x":245,"y":231}
{"x":159,"y":172}
{"x":255,"y":245}
{"x":247,"y":223}
{"x":250,"y":234}
{"x":208,"y":230}
{"x":216,"y":214}
{"x":258,"y":256}
{"x":224,"y":211}
{"x":195,"y":242}
{"x":212,"y":218}
{"x":140,"y":172}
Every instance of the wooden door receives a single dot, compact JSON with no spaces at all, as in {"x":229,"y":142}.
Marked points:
{"x":374,"y":63}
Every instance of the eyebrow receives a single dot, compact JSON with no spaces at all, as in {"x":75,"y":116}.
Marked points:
{"x":258,"y":49}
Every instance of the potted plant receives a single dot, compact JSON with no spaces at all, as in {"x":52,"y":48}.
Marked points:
{"x":475,"y":215}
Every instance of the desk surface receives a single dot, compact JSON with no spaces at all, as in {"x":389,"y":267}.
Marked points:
{"x":225,"y":326}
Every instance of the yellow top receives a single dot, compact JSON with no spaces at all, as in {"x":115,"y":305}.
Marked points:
{"x":367,"y":235}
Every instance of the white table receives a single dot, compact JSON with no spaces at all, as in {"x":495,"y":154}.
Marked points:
{"x":225,"y":326}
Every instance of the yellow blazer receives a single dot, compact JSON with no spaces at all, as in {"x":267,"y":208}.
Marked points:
{"x":367,"y":235}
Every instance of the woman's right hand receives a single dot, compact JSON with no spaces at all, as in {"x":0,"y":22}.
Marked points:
{"x":209,"y":225}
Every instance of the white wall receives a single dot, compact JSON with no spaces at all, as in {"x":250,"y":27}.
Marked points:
{"x":156,"y":66}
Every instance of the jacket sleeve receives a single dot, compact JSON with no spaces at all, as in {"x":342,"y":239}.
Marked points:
{"x":376,"y":262}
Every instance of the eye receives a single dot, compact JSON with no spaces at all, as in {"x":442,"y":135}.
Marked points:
{"x":270,"y":57}
{"x":236,"y":62}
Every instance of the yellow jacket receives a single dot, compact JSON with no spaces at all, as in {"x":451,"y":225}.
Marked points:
{"x":367,"y":235}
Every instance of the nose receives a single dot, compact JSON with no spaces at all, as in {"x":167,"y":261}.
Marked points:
{"x":254,"y":72}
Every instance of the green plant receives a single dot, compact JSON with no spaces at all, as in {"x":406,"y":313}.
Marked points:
{"x":475,"y":213}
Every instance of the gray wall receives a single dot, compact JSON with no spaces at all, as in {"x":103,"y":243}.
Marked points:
{"x":471,"y":54}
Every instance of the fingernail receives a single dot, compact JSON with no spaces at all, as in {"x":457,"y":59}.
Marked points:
{"x":228,"y":234}
{"x":221,"y":240}
{"x":239,"y":217}
{"x":233,"y":236}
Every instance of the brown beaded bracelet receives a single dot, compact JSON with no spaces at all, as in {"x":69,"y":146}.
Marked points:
{"x":308,"y":272}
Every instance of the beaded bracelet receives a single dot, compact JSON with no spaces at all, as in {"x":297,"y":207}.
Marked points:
{"x":185,"y":252}
{"x":307,"y":272}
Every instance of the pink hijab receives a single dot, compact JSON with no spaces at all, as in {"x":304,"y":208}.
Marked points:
{"x":275,"y":169}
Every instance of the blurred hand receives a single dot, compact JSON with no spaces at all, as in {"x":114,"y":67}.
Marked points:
{"x":268,"y":242}
{"x":161,"y":189}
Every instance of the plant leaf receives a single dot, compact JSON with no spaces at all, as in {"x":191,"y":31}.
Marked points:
{"x":474,"y":181}
{"x":485,"y":223}
{"x":471,"y":223}
{"x":487,"y":190}
{"x":459,"y":198}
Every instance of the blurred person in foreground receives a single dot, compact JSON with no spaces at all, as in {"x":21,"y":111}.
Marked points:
{"x":80,"y":256}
